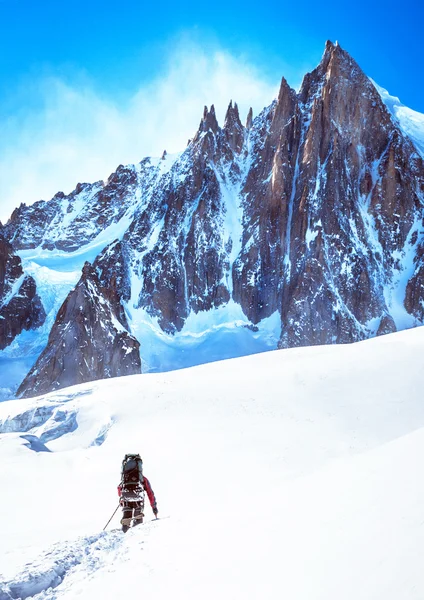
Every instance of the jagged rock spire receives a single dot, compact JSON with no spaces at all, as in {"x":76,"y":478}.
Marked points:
{"x":284,"y":90}
{"x":232,"y":117}
{"x":249,"y":120}
{"x":334,"y":61}
{"x":209,"y":121}
{"x":233,"y":128}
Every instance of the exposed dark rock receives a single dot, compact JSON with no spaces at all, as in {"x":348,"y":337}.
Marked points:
{"x":112,"y":269}
{"x":249,"y":119}
{"x":87,"y":342}
{"x":68,"y":222}
{"x":259,"y":268}
{"x":387,"y":325}
{"x":20,"y":306}
{"x":233,"y":129}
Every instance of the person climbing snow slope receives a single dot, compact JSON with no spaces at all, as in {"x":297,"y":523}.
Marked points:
{"x":131,"y":491}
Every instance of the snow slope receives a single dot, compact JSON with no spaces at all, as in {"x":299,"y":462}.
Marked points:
{"x":294,"y":473}
{"x":410,"y":121}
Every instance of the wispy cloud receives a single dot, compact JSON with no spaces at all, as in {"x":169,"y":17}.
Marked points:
{"x":75,"y":134}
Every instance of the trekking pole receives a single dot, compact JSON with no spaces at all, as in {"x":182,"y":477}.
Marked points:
{"x":114,"y":512}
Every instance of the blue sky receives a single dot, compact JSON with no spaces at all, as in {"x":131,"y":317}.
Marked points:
{"x":65,"y":64}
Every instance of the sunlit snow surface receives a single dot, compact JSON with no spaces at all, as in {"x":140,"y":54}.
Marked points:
{"x":290,"y":474}
{"x":220,"y":333}
{"x":410,"y":121}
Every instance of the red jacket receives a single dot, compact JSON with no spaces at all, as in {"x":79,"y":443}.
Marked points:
{"x":150,"y":494}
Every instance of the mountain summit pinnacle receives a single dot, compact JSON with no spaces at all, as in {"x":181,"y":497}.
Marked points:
{"x":209,"y":121}
{"x":233,"y":129}
{"x":249,"y":119}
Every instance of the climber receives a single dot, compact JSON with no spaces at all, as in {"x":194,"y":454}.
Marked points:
{"x":131,"y":491}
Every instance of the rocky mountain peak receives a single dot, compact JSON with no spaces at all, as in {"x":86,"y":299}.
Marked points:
{"x":316,"y":222}
{"x":232,"y":118}
{"x":286,"y":101}
{"x":80,"y":187}
{"x":337,"y":69}
{"x":249,"y":119}
{"x":342,"y":106}
{"x":88,"y":272}
{"x":333,"y":54}
{"x":284,"y":91}
{"x":233,"y":129}
{"x":209,"y":121}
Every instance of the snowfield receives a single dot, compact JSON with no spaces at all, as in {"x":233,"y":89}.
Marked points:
{"x":290,"y":474}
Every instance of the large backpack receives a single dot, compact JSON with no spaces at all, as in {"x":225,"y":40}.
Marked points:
{"x":132,"y":469}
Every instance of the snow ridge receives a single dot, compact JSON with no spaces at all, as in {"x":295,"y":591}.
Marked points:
{"x":410,"y":121}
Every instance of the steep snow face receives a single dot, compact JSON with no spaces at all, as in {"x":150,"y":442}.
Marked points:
{"x":410,"y":121}
{"x":207,"y":336}
{"x":306,"y":458}
{"x":21,"y":310}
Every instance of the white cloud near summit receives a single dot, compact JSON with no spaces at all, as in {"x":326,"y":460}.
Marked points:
{"x":76,"y":135}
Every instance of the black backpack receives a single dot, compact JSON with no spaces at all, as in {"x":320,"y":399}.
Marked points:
{"x":132,"y":469}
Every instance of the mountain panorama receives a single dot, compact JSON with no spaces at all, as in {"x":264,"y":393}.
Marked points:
{"x":303,"y":226}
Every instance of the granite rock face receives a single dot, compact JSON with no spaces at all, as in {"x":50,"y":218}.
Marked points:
{"x":356,"y":207}
{"x":87,"y":342}
{"x":69,"y":222}
{"x":20,"y":306}
{"x":314,"y":210}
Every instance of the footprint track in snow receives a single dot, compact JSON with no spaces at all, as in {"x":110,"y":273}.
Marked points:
{"x":42,"y":578}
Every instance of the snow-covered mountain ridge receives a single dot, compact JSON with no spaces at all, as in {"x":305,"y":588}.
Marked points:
{"x":304,"y":226}
{"x":290,"y":474}
{"x":410,"y":121}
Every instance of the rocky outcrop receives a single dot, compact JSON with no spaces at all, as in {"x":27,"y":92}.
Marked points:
{"x":387,"y":325}
{"x":69,"y":222}
{"x":233,"y":129}
{"x":182,"y":242}
{"x":87,"y":342}
{"x":267,"y":193}
{"x":112,"y":270}
{"x":20,"y":306}
{"x":314,"y":210}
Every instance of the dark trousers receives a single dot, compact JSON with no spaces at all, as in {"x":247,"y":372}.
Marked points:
{"x":132,"y":510}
